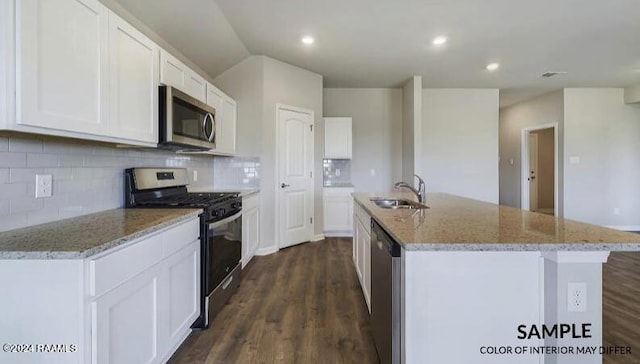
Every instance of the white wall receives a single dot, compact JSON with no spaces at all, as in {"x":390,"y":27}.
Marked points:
{"x":411,"y":126}
{"x":460,"y":142}
{"x":604,"y":133}
{"x":544,"y":109}
{"x":257,"y":84}
{"x":244,"y":83}
{"x":377,"y":133}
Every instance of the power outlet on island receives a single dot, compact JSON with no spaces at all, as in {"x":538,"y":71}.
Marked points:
{"x":577,"y":297}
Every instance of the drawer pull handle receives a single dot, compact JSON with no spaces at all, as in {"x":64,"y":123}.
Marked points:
{"x":227,"y":283}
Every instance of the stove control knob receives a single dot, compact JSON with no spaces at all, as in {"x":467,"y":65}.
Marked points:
{"x":236,"y":205}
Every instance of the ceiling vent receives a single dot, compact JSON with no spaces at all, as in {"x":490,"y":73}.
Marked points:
{"x":551,"y":74}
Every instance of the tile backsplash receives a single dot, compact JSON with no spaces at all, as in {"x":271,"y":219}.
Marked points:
{"x":337,"y":170}
{"x":87,"y":177}
{"x":236,"y":173}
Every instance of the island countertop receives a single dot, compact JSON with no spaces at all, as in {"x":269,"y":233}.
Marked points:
{"x":461,"y":224}
{"x":84,"y":236}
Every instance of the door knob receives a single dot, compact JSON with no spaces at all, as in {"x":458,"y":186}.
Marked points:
{"x":283,"y":185}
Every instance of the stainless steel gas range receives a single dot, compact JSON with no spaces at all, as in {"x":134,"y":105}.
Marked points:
{"x":220,"y":229}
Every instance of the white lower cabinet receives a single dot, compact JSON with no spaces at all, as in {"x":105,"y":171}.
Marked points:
{"x":131,"y":304}
{"x":145,"y":318}
{"x":362,"y":250}
{"x":126,"y":321}
{"x":337,"y":211}
{"x":250,"y":227}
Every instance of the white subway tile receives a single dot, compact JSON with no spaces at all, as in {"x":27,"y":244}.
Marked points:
{"x":4,"y":175}
{"x":19,"y":205}
{"x":4,"y":144}
{"x":42,"y":216}
{"x":4,"y":207}
{"x":9,"y":190}
{"x":13,"y":159}
{"x":13,"y":222}
{"x":56,"y":201}
{"x":25,"y":145}
{"x":71,"y":160}
{"x":82,"y":173}
{"x":59,"y":174}
{"x":42,"y":160}
{"x":26,"y":175}
{"x":60,"y":147}
{"x":70,"y":211}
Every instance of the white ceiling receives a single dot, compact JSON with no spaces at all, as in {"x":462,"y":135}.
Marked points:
{"x":381,"y":43}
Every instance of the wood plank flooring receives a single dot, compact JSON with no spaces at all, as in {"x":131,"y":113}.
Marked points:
{"x":301,"y":305}
{"x":621,"y":305}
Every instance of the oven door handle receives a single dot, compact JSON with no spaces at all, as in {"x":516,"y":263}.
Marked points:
{"x":226,"y":220}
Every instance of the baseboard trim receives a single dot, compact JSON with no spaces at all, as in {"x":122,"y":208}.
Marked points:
{"x":624,"y":227}
{"x":266,"y":251}
{"x":338,"y":234}
{"x":318,"y":237}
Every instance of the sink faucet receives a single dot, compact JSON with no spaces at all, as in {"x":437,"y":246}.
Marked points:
{"x":419,"y":192}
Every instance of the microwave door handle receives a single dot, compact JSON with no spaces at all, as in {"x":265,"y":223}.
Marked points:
{"x":204,"y":126}
{"x":212,"y":137}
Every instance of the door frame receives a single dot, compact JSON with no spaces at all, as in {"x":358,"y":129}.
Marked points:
{"x":524,"y":165}
{"x":278,"y":230}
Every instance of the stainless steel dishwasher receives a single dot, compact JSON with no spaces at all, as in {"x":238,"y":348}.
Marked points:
{"x":385,"y":294}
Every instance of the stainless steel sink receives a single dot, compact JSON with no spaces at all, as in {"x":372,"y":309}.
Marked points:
{"x":397,"y":203}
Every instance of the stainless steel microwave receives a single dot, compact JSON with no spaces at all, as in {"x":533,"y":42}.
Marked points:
{"x":186,"y":124}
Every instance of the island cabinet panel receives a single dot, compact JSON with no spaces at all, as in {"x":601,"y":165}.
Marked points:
{"x":457,"y":302}
{"x":362,"y":250}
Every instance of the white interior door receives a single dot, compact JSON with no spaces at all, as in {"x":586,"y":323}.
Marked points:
{"x":533,"y":172}
{"x":295,"y":184}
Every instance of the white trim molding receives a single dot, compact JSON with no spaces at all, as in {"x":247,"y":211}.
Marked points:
{"x":266,"y":251}
{"x":624,"y":227}
{"x":576,"y":256}
{"x":318,"y":237}
{"x":524,"y":166}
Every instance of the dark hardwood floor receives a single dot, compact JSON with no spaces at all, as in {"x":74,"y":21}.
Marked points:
{"x":301,"y":305}
{"x":621,"y":305}
{"x":304,"y":305}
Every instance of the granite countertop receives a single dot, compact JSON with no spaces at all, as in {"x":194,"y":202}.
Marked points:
{"x":337,"y":184}
{"x":84,"y":236}
{"x":458,"y":223}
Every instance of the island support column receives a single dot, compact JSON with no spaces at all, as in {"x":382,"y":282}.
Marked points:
{"x":562,"y":270}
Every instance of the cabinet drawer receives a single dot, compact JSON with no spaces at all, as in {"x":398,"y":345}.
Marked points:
{"x":112,"y":270}
{"x":179,"y":237}
{"x":337,"y":191}
{"x":363,"y":216}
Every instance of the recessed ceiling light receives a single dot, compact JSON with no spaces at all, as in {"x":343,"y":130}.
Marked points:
{"x":439,"y":40}
{"x":493,"y":66}
{"x":307,"y":39}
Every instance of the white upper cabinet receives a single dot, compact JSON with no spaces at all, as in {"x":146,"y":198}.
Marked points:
{"x":226,"y":111}
{"x":134,"y":77}
{"x":62,"y":63}
{"x":176,"y":74}
{"x":337,"y":138}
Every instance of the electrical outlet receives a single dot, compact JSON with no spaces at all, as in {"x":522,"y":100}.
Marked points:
{"x":195,"y":176}
{"x":44,"y":185}
{"x":577,"y":297}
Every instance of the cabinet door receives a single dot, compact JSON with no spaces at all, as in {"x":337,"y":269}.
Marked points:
{"x":172,"y":71}
{"x":337,"y":138}
{"x":183,"y":289}
{"x":358,"y":251}
{"x":337,"y":213}
{"x":366,"y":268}
{"x":134,"y":83}
{"x":354,"y":240}
{"x":63,"y":65}
{"x":226,"y":128}
{"x":250,"y":234}
{"x":126,"y":320}
{"x":195,"y":85}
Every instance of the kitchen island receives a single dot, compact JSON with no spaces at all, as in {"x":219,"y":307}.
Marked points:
{"x":479,"y":281}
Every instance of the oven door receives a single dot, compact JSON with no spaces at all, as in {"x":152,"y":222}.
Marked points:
{"x":224,"y":249}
